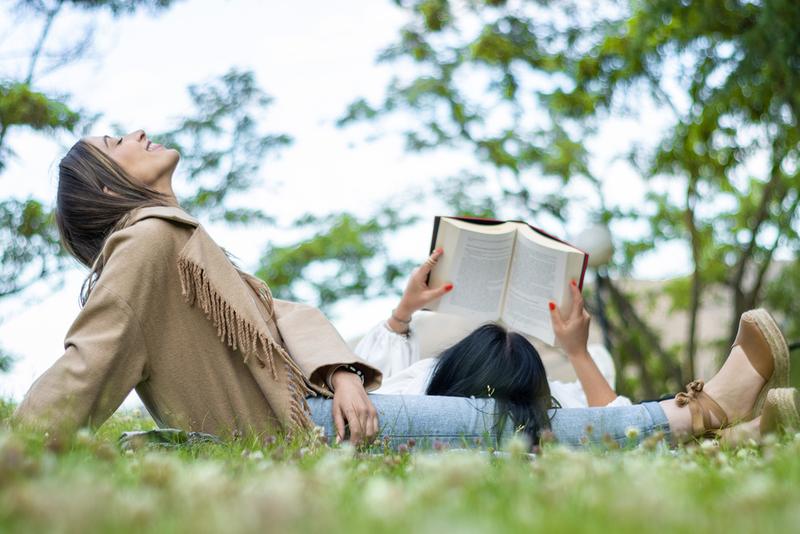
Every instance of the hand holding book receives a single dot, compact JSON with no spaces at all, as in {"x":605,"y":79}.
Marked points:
{"x":505,"y":271}
{"x":418,"y":293}
{"x":571,"y":326}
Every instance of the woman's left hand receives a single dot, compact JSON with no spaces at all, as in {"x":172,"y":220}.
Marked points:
{"x":352,"y":406}
{"x":572,"y":333}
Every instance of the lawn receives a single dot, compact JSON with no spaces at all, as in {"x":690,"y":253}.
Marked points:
{"x":88,"y":483}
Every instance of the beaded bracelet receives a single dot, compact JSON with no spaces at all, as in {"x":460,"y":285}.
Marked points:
{"x":353,"y":369}
{"x":346,"y":367}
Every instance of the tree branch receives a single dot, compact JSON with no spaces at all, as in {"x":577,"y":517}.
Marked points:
{"x":37,"y":50}
{"x":761,"y":215}
{"x":694,"y":306}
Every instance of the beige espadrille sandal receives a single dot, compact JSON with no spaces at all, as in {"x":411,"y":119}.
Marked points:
{"x":781,"y":412}
{"x":764,"y":345}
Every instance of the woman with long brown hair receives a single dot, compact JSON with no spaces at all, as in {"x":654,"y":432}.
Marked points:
{"x":207,"y":348}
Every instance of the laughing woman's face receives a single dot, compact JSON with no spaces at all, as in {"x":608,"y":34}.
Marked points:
{"x":150,"y":163}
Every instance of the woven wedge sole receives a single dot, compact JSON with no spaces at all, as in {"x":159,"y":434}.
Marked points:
{"x":781,"y":411}
{"x":780,"y":354}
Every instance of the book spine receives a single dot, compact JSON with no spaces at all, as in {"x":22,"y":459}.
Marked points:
{"x":436,"y":220}
{"x":583,"y":270}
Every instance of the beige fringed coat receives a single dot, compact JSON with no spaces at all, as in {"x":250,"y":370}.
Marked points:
{"x":204,"y":344}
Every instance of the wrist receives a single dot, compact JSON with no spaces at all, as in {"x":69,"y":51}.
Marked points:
{"x":403,"y":312}
{"x":399,"y":320}
{"x":577,"y":354}
{"x":343,"y":374}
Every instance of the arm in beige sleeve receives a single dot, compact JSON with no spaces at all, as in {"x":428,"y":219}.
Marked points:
{"x":104,"y":359}
{"x":316,"y":345}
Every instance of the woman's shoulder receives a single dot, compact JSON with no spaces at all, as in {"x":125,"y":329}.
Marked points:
{"x":143,"y":254}
{"x":144,"y":240}
{"x":150,"y":232}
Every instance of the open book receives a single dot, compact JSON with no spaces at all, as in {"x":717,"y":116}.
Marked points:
{"x":504,"y":271}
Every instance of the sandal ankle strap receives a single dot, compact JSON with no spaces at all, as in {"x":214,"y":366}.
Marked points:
{"x":701,"y":406}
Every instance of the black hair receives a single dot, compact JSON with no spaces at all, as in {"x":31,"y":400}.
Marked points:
{"x":494,"y":362}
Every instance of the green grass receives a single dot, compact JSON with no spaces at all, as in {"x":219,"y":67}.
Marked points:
{"x":87,"y":484}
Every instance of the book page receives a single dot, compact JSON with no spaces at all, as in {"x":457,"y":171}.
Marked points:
{"x":537,"y":276}
{"x":478,"y":271}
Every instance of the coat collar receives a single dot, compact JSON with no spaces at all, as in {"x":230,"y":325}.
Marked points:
{"x":172,"y":213}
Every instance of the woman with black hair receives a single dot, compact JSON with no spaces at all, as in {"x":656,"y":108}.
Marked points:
{"x":490,"y":361}
{"x":493,"y":362}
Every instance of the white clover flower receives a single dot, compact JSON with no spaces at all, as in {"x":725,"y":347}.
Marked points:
{"x":744,"y":453}
{"x":83,"y":436}
{"x":708,"y":444}
{"x":519,"y":444}
{"x":383,"y":498}
{"x":344,"y":448}
{"x":254,"y":455}
{"x":632,"y":432}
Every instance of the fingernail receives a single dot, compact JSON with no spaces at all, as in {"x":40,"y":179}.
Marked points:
{"x":438,"y":250}
{"x":448,"y":287}
{"x":552,"y":305}
{"x":574,"y":283}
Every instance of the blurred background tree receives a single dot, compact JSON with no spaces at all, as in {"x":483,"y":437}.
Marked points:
{"x":221,"y":142}
{"x":528,"y":86}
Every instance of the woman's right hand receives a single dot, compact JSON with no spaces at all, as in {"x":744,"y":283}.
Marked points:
{"x":417,"y":293}
{"x":572,"y":333}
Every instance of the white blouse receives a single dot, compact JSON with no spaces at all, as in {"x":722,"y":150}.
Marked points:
{"x":404,"y":373}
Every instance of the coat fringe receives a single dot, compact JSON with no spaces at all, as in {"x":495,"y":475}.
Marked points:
{"x":241,"y":334}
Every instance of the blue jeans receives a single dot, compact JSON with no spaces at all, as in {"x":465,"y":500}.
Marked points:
{"x":467,"y":421}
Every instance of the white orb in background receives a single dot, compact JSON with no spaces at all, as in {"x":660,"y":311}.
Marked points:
{"x":596,"y":240}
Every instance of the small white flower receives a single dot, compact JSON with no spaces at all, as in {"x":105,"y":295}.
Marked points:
{"x":253,"y":455}
{"x":83,"y":436}
{"x":519,"y":444}
{"x":632,"y":432}
{"x":708,"y":444}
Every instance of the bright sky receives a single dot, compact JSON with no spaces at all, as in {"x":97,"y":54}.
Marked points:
{"x":314,"y":58}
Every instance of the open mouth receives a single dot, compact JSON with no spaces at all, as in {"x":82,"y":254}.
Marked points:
{"x":153,"y":146}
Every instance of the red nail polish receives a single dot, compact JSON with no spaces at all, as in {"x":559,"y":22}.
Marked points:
{"x":439,"y":250}
{"x":448,"y":287}
{"x":552,"y":305}
{"x":574,"y":283}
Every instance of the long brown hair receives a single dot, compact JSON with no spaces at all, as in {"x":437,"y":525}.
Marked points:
{"x":86,"y":215}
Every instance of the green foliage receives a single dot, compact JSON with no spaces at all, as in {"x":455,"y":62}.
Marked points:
{"x":20,"y":106}
{"x":222,"y":148}
{"x":526,"y":86}
{"x":31,"y":249}
{"x":344,"y":256}
{"x":117,"y":8}
{"x":6,"y":361}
